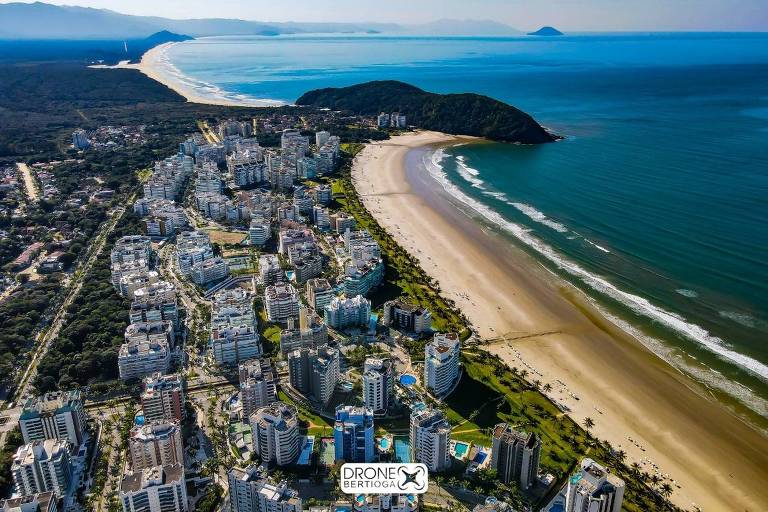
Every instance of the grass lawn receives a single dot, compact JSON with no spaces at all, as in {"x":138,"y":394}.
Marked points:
{"x":318,"y":426}
{"x":226,"y":237}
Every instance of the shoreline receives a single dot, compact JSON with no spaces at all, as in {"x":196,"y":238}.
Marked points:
{"x":560,"y":337}
{"x":155,"y":65}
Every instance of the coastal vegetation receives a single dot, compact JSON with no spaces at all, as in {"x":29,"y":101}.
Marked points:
{"x":404,"y":275}
{"x":458,"y":114}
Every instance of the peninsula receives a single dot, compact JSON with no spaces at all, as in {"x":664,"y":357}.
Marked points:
{"x":456,"y":114}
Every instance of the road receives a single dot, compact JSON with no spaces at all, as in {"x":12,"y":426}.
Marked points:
{"x":29,"y":182}
{"x":44,"y":340}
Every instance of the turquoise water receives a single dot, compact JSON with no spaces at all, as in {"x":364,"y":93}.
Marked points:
{"x":407,"y":380}
{"x":384,"y":443}
{"x":461,"y":450}
{"x":402,"y":449}
{"x":656,"y":204}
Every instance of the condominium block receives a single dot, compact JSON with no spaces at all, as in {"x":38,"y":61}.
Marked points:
{"x":344,"y":312}
{"x":56,"y":415}
{"x":594,"y":489}
{"x":441,"y":362}
{"x":275,"y":430}
{"x":192,"y":247}
{"x":515,"y":455}
{"x":154,"y":303}
{"x":430,"y":438}
{"x":281,"y":302}
{"x":314,"y":372}
{"x":269,"y":269}
{"x":258,"y":385}
{"x":156,"y":489}
{"x":378,"y":384}
{"x":163,"y":398}
{"x":308,"y":332}
{"x":319,"y":294}
{"x":40,"y":502}
{"x":142,"y":358}
{"x":251,"y":491}
{"x":353,"y":434}
{"x":406,"y":317}
{"x":155,"y":444}
{"x":208,"y":271}
{"x":42,"y":466}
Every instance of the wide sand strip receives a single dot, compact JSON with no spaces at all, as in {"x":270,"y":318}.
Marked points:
{"x":551,"y":330}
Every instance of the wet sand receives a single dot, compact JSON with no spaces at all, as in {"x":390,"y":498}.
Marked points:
{"x":661,"y":418}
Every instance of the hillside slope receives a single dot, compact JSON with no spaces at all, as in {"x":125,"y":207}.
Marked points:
{"x":459,"y":114}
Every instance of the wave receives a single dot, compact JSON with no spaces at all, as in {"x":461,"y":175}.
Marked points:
{"x":741,"y":318}
{"x":638,"y":304}
{"x":596,"y":246}
{"x":468,"y":173}
{"x":163,"y":66}
{"x":691,"y":294}
{"x":539,"y":217}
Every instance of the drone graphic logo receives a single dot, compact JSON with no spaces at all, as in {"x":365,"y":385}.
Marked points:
{"x":384,"y":478}
{"x":412,"y":481}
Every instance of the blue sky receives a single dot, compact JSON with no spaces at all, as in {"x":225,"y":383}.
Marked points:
{"x":737,"y":15}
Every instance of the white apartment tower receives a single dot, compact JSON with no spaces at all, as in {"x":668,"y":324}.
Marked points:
{"x":155,"y":444}
{"x":441,"y":362}
{"x":157,"y":489}
{"x":378,"y":384}
{"x":430,"y":439}
{"x":276,"y":434}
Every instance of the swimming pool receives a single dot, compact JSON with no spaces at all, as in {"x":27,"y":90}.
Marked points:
{"x":139,"y":420}
{"x":346,"y":386}
{"x":479,"y":458}
{"x":402,"y":449}
{"x":306,"y":451}
{"x":407,"y":379}
{"x":460,"y":449}
{"x":384,"y":444}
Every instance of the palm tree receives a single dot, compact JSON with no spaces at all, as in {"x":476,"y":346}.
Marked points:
{"x":666,"y":490}
{"x":547,"y":387}
{"x":635,"y":468}
{"x":589,"y":422}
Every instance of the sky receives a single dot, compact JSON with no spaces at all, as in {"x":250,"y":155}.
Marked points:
{"x":573,"y":15}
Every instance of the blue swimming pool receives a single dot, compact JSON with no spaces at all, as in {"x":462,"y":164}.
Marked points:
{"x":461,"y":450}
{"x":139,"y":420}
{"x":384,"y":443}
{"x":407,"y":379}
{"x":306,"y":451}
{"x":479,"y":458}
{"x":402,"y":449}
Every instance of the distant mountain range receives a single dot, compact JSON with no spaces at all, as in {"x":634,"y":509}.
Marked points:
{"x":546,"y":31}
{"x":45,"y":21}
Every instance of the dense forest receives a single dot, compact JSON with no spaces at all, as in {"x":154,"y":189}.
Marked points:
{"x":460,"y":114}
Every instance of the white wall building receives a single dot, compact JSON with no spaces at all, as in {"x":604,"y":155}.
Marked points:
{"x":441,"y":362}
{"x":251,"y":491}
{"x":42,"y":466}
{"x":157,"y":489}
{"x":276,"y":434}
{"x":430,"y":439}
{"x":155,"y":444}
{"x":378,"y":384}
{"x":281,"y":302}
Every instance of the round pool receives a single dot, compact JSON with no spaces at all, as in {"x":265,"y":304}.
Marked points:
{"x":407,"y":379}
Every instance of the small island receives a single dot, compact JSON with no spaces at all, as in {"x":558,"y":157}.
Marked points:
{"x":546,"y":31}
{"x":457,"y":114}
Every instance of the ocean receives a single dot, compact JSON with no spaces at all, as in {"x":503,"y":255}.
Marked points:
{"x":655,"y":203}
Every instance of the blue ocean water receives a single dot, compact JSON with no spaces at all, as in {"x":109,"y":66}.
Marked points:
{"x":656,"y":203}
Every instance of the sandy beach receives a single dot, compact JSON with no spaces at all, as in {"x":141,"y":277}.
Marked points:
{"x":638,"y":402}
{"x":155,"y":64}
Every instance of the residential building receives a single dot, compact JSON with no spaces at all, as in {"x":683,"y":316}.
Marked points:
{"x":382,"y":121}
{"x":251,"y":491}
{"x":594,"y":489}
{"x":155,"y":444}
{"x":269,"y":269}
{"x":157,"y":489}
{"x":56,"y":415}
{"x":441,"y":362}
{"x":156,"y":331}
{"x":210,"y":270}
{"x":323,"y":194}
{"x":281,"y":302}
{"x":42,"y":466}
{"x":163,"y":398}
{"x":40,"y":502}
{"x":319,"y":294}
{"x":275,"y":430}
{"x":342,"y":312}
{"x":314,"y":372}
{"x":321,"y":217}
{"x":362,"y":276}
{"x":353,"y":434}
{"x":308,"y":332}
{"x":235,"y":343}
{"x":430,"y":439}
{"x":154,"y":303}
{"x":258,"y":385}
{"x":80,"y":139}
{"x":384,"y":503}
{"x":378,"y":384}
{"x":515,"y":455}
{"x":192,"y":247}
{"x":321,"y":138}
{"x":142,"y":358}
{"x":406,"y":317}
{"x":259,"y":231}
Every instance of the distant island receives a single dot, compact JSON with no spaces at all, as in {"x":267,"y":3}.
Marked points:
{"x":546,"y":31}
{"x":458,"y":114}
